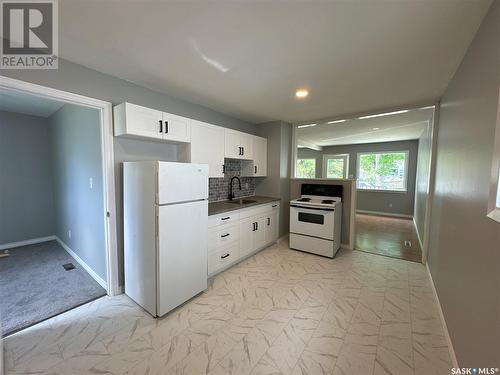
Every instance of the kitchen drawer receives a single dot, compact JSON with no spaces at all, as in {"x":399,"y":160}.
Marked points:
{"x":258,"y":210}
{"x":222,"y":258}
{"x":223,"y":219}
{"x":221,"y":236}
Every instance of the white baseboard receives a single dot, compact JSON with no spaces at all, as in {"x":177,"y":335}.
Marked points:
{"x":453,"y":357}
{"x":418,"y":235}
{"x":26,"y":242}
{"x":381,"y":213}
{"x":80,"y":261}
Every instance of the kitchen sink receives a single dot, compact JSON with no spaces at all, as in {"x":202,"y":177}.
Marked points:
{"x":241,"y":201}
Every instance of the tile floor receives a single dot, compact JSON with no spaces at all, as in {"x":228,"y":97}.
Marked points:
{"x":278,"y":312}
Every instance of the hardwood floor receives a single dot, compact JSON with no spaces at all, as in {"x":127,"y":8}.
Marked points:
{"x":385,"y":235}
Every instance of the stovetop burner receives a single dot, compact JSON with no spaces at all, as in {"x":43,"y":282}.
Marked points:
{"x":328,"y":201}
{"x":303,"y":200}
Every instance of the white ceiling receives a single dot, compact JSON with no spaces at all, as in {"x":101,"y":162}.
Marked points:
{"x":246,"y":59}
{"x":18,"y":102}
{"x":397,"y":127}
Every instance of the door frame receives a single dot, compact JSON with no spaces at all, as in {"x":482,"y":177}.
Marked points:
{"x":105,"y":110}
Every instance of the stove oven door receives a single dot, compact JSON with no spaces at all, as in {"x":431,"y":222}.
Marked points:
{"x":316,"y":222}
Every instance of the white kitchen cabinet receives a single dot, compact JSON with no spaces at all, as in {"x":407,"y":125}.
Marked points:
{"x":136,"y":121}
{"x":246,"y":141}
{"x":247,"y":230}
{"x":257,"y":226}
{"x":238,"y":145}
{"x":272,"y":221}
{"x":207,"y":147}
{"x":259,"y":156}
{"x":176,"y":128}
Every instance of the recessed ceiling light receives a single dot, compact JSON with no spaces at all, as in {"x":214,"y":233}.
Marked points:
{"x":383,"y":114}
{"x":376,"y":128}
{"x":301,"y":93}
{"x":336,"y":121}
{"x":306,"y":126}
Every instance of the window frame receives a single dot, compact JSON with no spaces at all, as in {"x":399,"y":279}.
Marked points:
{"x":327,"y":157}
{"x":315,"y":166}
{"x":494,"y":198}
{"x":405,"y":180}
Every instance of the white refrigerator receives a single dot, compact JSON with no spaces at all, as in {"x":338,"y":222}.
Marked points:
{"x":165,"y":214}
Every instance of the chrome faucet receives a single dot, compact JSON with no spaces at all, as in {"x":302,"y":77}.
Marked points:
{"x":231,"y":194}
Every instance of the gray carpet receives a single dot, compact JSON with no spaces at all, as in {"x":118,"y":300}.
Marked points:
{"x":34,"y":285}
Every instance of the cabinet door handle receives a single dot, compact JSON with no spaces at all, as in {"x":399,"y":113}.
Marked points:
{"x":243,"y":151}
{"x":256,"y":226}
{"x":161,"y":126}
{"x":253,"y":229}
{"x":223,"y":168}
{"x":274,"y":205}
{"x":224,"y":256}
{"x":225,"y":218}
{"x":225,"y":235}
{"x":255,"y":169}
{"x":166,"y":126}
{"x":268,"y":221}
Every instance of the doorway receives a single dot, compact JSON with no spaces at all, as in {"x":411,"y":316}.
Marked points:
{"x":57,"y":240}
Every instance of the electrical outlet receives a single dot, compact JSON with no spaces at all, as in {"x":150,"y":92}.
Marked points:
{"x":69,"y":234}
{"x":91,"y":183}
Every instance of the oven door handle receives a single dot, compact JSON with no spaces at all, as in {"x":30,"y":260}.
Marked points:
{"x":313,"y":208}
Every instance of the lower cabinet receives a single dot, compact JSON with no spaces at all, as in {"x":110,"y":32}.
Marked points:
{"x":256,"y":228}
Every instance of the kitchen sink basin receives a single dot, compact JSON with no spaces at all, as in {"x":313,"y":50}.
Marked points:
{"x":241,"y":201}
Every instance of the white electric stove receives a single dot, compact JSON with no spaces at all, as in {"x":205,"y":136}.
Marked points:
{"x":316,"y":220}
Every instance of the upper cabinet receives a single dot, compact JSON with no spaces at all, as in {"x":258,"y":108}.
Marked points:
{"x":238,"y":145}
{"x":140,"y":122}
{"x":204,"y":143}
{"x":260,"y":156}
{"x":207,"y":147}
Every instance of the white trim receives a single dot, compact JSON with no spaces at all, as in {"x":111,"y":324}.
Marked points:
{"x":109,"y":213}
{"x":26,"y":242}
{"x":494,"y":199}
{"x":381,"y":213}
{"x":407,"y":158}
{"x":453,"y":357}
{"x":418,"y":234}
{"x":80,"y":261}
{"x":344,"y":157}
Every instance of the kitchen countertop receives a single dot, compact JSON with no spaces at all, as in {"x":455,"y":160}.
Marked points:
{"x":215,"y":208}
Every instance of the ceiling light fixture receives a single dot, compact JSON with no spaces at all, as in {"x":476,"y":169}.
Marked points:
{"x":336,"y":121}
{"x":376,"y":128}
{"x":306,"y":126}
{"x":301,"y":93}
{"x":383,"y":114}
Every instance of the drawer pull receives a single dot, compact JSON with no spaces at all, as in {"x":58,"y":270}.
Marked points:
{"x":225,"y":218}
{"x":274,"y":205}
{"x":224,"y":256}
{"x":225,"y":235}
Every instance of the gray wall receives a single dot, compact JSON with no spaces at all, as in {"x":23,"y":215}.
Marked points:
{"x":402,"y":203}
{"x":277,"y":182}
{"x":25,"y":178}
{"x":75,"y":136}
{"x":464,"y":254}
{"x":84,"y":81}
{"x":422,"y":180}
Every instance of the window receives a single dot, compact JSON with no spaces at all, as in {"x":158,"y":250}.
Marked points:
{"x":383,"y":171}
{"x":335,"y":166}
{"x":306,"y":168}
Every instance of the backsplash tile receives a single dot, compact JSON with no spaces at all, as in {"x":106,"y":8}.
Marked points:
{"x":218,"y":188}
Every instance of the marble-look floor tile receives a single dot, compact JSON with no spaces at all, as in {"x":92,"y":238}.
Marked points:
{"x":279,"y":312}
